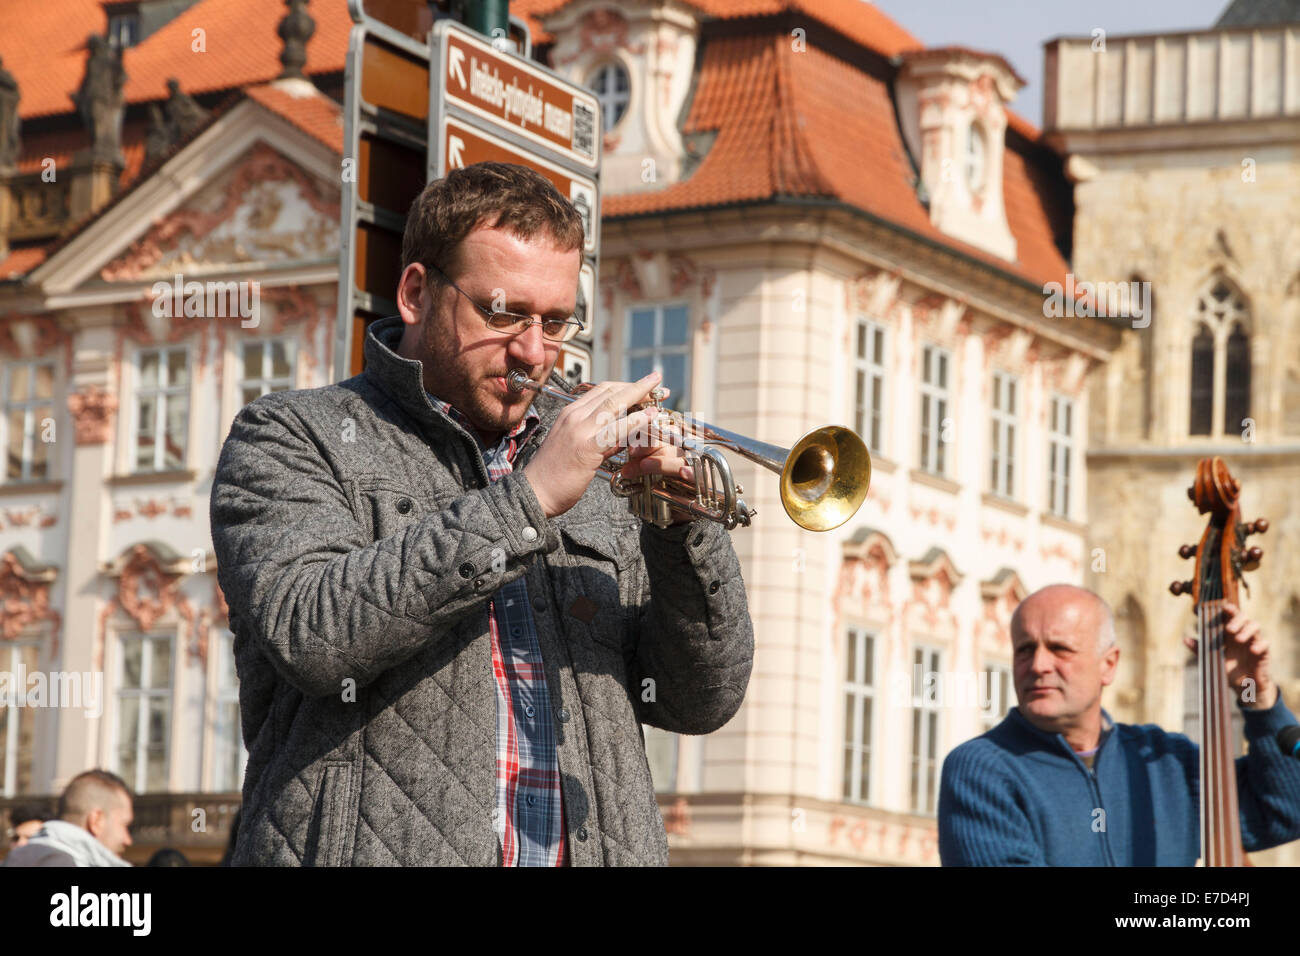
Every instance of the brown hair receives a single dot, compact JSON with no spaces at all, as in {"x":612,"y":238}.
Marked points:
{"x":91,"y":790}
{"x":498,"y":195}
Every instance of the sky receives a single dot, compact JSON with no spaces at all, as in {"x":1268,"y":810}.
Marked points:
{"x":1018,"y":30}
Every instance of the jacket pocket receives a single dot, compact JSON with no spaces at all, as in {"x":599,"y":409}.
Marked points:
{"x":385,"y":508}
{"x":333,"y":815}
{"x":592,"y":583}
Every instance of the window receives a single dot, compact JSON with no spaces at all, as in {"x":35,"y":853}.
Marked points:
{"x":162,"y":409}
{"x":613,"y":89}
{"x":925,"y":728}
{"x":1236,"y":402}
{"x":229,"y":755}
{"x":998,"y":682}
{"x":869,"y":402}
{"x":267,"y":367}
{"x":1220,"y":385}
{"x":144,"y":711}
{"x":859,"y":700}
{"x":657,"y":338}
{"x":976,"y":154}
{"x":1060,"y":451}
{"x":123,"y":30}
{"x":934,"y":408}
{"x":661,"y":754}
{"x":1202,"y":382}
{"x":1002,"y":462}
{"x":29,"y":408}
{"x":17,"y":723}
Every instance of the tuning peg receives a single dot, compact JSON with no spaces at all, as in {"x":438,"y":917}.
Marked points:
{"x":1187,"y":551}
{"x":1258,"y":526}
{"x":1180,"y":587}
{"x":1253,"y":557}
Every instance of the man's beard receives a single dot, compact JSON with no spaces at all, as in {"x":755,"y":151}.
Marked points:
{"x":467,"y":394}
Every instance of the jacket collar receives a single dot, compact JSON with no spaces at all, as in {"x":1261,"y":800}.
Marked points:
{"x":402,"y":379}
{"x":1058,"y":740}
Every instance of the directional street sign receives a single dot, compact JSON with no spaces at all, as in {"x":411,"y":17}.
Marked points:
{"x":488,"y":105}
{"x":463,"y":146}
{"x":518,"y":96}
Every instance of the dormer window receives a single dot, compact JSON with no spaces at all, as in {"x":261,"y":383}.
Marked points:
{"x":123,"y":30}
{"x":612,"y":88}
{"x":976,"y":155}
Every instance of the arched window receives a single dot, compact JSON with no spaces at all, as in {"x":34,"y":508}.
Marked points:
{"x":1202,"y":381}
{"x":613,"y":89}
{"x":1236,"y":406}
{"x":1220,"y":361}
{"x":976,"y":158}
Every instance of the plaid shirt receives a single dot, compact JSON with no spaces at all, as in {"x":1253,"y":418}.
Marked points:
{"x":529,"y":811}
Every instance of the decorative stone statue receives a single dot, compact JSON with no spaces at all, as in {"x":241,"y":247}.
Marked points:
{"x":184,"y":115}
{"x":158,"y":140}
{"x":99,"y":100}
{"x":295,"y":30}
{"x":9,"y":122}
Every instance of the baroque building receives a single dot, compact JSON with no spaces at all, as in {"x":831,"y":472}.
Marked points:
{"x":1185,"y":150}
{"x":808,"y":217}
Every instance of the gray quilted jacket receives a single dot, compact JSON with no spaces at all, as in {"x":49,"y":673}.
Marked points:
{"x":358,"y":542}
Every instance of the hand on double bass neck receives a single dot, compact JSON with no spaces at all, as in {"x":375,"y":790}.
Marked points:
{"x":1245,"y":657}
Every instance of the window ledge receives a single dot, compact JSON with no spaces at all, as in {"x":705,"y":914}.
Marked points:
{"x":934,"y":481}
{"x":994,"y":500}
{"x":882,"y":465}
{"x":1064,"y":524}
{"x":30,"y":487}
{"x":153,"y":477}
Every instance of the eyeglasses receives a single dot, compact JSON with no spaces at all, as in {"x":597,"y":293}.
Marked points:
{"x":512,"y":323}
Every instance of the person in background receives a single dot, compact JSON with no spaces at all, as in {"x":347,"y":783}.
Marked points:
{"x":24,"y":822}
{"x":92,"y":829}
{"x":1058,"y":783}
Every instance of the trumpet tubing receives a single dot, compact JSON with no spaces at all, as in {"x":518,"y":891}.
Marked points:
{"x":824,"y":475}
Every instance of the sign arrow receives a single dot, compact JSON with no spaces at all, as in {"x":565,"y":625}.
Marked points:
{"x":455,"y":59}
{"x":454,"y":158}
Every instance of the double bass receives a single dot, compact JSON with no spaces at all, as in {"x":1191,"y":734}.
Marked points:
{"x":1221,"y":557}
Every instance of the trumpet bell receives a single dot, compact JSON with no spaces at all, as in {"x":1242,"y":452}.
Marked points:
{"x":825,"y":478}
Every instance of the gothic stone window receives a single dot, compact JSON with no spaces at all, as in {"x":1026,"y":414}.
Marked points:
{"x":1220,"y":361}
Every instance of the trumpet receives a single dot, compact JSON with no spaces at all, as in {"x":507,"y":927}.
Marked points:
{"x":824,"y":475}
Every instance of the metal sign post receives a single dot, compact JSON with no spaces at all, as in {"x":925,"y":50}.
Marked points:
{"x":412,"y":111}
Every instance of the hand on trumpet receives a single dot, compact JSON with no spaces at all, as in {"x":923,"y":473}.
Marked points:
{"x":589,"y":430}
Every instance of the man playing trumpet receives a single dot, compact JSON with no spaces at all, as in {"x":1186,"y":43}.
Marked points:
{"x":447,"y":634}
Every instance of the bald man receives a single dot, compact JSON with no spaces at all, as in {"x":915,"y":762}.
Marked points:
{"x":1058,"y":783}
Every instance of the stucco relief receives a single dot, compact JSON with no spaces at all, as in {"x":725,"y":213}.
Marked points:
{"x":600,"y":33}
{"x":148,"y":590}
{"x":92,"y":409}
{"x":25,"y":600}
{"x":33,"y":516}
{"x":266,"y":210}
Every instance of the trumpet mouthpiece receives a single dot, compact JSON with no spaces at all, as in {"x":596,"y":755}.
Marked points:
{"x":518,"y":380}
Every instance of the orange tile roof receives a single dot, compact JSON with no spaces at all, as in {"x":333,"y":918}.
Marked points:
{"x":43,"y":44}
{"x":314,"y":113}
{"x":19,"y":262}
{"x":861,"y":22}
{"x":783,"y":130}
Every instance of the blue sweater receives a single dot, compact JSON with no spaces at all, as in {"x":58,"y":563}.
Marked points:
{"x":1020,"y":796}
